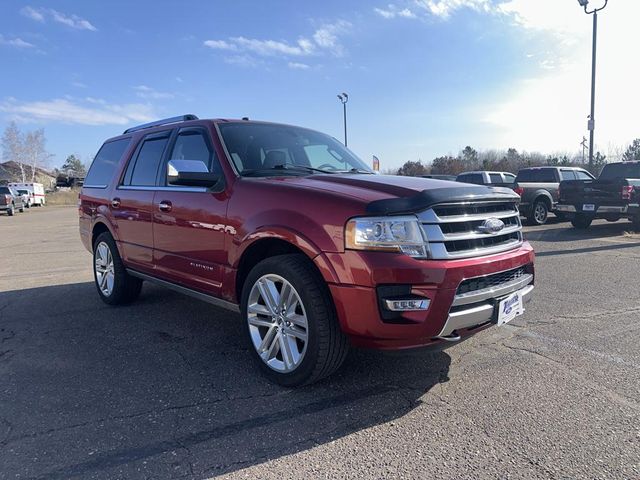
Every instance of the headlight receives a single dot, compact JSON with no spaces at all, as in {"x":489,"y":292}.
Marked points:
{"x":389,"y":234}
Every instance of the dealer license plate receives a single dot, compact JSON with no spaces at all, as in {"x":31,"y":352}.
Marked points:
{"x":588,"y":207}
{"x":510,"y":307}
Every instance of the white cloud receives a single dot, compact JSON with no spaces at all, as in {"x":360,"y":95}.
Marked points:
{"x":220,"y":45}
{"x":444,"y":8}
{"x":15,"y":42}
{"x":393,"y":11}
{"x":271,"y":47}
{"x":43,"y":14}
{"x":32,"y":13}
{"x":78,"y":84}
{"x":69,"y":111}
{"x":298,"y":66}
{"x":146,"y":92}
{"x":325,"y":39}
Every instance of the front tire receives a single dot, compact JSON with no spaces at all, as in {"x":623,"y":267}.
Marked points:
{"x":115,"y":286}
{"x":290,"y":321}
{"x":581,"y":222}
{"x":11,"y":210}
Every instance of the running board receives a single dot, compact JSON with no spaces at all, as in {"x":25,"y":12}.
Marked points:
{"x":186,"y":291}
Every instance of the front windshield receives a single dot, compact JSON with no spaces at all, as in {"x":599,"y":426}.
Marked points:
{"x":268,"y":149}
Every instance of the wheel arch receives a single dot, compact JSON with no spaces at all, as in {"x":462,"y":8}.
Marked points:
{"x":266,"y":247}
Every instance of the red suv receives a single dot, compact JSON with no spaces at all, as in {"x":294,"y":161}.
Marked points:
{"x":289,"y":228}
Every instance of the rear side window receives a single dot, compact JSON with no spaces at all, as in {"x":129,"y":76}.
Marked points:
{"x":567,"y":175}
{"x":143,"y":169}
{"x":620,"y":170}
{"x":583,"y":175}
{"x":509,"y":178}
{"x":536,"y":175}
{"x":495,"y":178}
{"x":104,"y":165}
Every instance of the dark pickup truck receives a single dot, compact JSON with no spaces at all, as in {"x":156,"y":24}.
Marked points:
{"x":615,"y":194}
{"x":10,"y":200}
{"x":538,"y":190}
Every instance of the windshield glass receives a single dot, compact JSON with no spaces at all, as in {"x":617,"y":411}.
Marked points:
{"x":620,"y":170}
{"x":265,"y":149}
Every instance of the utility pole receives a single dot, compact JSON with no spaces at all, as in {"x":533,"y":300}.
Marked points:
{"x":344,"y":98}
{"x":592,"y":117}
{"x":584,"y":147}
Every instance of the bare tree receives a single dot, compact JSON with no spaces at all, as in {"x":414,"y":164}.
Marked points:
{"x":13,"y":147}
{"x":35,"y":151}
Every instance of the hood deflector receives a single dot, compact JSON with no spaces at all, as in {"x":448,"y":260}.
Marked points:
{"x":429,"y":198}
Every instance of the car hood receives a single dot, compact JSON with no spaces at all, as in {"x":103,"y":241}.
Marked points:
{"x":386,"y":194}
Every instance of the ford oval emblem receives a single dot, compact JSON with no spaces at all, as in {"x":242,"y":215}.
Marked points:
{"x":492,"y":225}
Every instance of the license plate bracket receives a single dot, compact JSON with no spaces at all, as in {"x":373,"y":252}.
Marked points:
{"x":509,"y":307}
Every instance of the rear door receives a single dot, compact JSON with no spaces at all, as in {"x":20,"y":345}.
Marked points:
{"x":190,"y":222}
{"x":132,"y":202}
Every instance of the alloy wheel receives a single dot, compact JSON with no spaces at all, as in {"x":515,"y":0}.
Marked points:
{"x":540,"y":213}
{"x":104,"y":269}
{"x":277,"y":323}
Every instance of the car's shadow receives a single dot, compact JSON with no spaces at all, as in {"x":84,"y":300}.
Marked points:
{"x":556,"y":231}
{"x":165,"y":388}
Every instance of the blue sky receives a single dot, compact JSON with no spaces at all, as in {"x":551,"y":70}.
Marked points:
{"x":425,"y":77}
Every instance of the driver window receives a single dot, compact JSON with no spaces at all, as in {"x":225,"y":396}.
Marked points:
{"x":194,"y":146}
{"x":322,"y":156}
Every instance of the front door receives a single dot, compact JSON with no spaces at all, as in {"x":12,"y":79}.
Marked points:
{"x":190,"y":222}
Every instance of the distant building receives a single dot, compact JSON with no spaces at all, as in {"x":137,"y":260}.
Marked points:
{"x":10,"y":172}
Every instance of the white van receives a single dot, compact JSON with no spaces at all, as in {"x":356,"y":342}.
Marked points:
{"x":34,"y":190}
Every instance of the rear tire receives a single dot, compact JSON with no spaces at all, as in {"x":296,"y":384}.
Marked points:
{"x":581,"y":222}
{"x":22,"y":208}
{"x":539,"y":213}
{"x":286,"y":305}
{"x":115,"y":286}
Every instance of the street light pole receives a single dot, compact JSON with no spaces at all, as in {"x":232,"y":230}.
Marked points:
{"x":592,"y":116}
{"x":344,"y":98}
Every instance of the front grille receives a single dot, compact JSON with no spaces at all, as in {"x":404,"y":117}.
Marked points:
{"x":490,"y":281}
{"x":455,"y":230}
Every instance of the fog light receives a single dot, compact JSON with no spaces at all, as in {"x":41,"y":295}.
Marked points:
{"x":407,"y":305}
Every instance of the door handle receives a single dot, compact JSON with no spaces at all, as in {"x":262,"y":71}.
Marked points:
{"x":115,"y":203}
{"x":165,"y":206}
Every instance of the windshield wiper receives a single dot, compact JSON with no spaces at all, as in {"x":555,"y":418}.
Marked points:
{"x":288,"y":166}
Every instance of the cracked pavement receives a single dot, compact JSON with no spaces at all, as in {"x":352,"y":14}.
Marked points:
{"x":164,"y":388}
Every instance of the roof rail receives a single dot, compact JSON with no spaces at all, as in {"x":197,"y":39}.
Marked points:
{"x":166,"y":121}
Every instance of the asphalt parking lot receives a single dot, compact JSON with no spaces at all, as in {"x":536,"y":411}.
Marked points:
{"x":164,"y":388}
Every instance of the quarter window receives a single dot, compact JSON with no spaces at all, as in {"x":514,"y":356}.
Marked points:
{"x":105,"y":163}
{"x":567,"y":175}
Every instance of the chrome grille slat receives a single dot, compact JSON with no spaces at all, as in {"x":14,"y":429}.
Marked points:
{"x":452,"y":230}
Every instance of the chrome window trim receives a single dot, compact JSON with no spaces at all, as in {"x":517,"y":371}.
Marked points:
{"x":163,"y":189}
{"x":94,"y":186}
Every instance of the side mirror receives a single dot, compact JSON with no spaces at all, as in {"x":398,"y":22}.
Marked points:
{"x":191,"y":173}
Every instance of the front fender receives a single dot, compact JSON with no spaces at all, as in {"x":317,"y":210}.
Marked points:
{"x":279,"y":232}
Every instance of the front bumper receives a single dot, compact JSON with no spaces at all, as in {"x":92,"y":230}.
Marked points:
{"x":358,"y":304}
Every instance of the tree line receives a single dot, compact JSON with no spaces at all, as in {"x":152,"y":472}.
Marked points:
{"x":510,"y":160}
{"x":28,"y":150}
